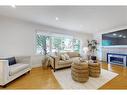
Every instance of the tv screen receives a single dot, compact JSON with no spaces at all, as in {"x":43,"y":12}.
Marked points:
{"x":115,"y":38}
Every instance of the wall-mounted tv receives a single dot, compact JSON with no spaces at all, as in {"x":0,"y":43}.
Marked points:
{"x":115,"y":38}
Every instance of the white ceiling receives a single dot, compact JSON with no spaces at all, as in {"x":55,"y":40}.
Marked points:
{"x":88,"y":19}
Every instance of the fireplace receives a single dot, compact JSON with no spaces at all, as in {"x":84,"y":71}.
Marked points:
{"x":120,"y":59}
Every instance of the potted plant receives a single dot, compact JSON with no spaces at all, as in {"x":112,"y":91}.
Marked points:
{"x":92,"y":46}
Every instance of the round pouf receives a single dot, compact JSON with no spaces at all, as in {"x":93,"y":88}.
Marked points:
{"x":94,"y":69}
{"x":79,"y":72}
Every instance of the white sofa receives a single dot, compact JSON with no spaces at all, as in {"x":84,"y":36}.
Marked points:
{"x":9,"y":73}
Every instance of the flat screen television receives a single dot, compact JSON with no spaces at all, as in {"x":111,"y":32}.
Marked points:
{"x":115,"y":38}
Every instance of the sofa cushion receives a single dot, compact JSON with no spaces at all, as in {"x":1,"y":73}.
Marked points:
{"x":13,"y":69}
{"x":73,"y":54}
{"x":75,"y":58}
{"x":61,"y":62}
{"x":23,"y":59}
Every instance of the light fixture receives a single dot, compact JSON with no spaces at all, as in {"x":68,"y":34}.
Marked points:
{"x":85,"y":49}
{"x":13,"y":5}
{"x":114,"y":34}
{"x":120,"y":35}
{"x":57,"y":18}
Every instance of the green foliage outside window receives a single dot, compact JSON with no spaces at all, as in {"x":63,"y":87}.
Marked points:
{"x":41,"y":43}
{"x":58,"y":44}
{"x":76,"y":45}
{"x":56,"y":41}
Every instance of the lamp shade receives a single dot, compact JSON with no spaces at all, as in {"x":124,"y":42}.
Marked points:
{"x":85,"y":49}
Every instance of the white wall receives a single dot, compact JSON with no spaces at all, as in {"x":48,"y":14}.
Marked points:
{"x":17,"y":37}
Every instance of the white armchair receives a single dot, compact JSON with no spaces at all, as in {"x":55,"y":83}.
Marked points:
{"x":9,"y":73}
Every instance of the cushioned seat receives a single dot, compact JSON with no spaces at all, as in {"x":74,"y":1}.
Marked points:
{"x":74,"y":58}
{"x":76,"y":74}
{"x":79,"y":71}
{"x":79,"y":66}
{"x":94,"y":69}
{"x":64,"y":62}
{"x":94,"y":64}
{"x":80,"y":79}
{"x":17,"y":68}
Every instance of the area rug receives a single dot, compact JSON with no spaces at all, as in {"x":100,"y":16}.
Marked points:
{"x":65,"y":80}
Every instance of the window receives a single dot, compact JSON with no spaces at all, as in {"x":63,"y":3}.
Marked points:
{"x":62,"y":44}
{"x":76,"y":45}
{"x":43,"y":44}
{"x":54,"y":43}
{"x":68,"y":44}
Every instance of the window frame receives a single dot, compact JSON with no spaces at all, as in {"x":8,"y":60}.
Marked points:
{"x":55,"y":35}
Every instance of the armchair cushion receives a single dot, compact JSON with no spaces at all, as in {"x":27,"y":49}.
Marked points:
{"x":13,"y":69}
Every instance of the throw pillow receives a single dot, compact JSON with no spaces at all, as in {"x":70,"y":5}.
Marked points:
{"x":66,"y":56}
{"x":63,"y":57}
{"x":11,"y":60}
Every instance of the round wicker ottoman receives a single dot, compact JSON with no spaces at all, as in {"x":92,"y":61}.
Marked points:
{"x":94,"y":69}
{"x":79,"y":72}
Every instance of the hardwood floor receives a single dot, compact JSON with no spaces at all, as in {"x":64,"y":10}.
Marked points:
{"x":38,"y":78}
{"x":119,"y":82}
{"x":42,"y":78}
